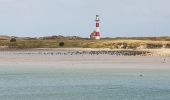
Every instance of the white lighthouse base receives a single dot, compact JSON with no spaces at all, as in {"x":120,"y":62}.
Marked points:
{"x":97,"y":37}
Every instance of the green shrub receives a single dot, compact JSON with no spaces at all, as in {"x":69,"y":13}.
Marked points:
{"x":61,"y":44}
{"x":13,"y":40}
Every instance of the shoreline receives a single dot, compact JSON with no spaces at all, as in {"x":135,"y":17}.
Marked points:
{"x":97,"y":51}
{"x":79,"y":58}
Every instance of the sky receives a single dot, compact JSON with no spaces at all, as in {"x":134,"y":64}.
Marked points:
{"x":119,"y":18}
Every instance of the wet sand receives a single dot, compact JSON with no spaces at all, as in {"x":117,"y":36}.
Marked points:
{"x":60,"y":59}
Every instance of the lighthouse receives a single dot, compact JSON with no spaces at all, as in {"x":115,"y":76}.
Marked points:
{"x":96,"y":34}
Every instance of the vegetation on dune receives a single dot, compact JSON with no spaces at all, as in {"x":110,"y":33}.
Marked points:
{"x":4,"y":42}
{"x":13,"y":40}
{"x":61,"y":44}
{"x":84,"y":43}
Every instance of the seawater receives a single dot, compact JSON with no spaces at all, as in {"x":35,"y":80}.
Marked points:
{"x":84,"y":84}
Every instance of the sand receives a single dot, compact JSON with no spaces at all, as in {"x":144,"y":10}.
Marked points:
{"x":56,"y":60}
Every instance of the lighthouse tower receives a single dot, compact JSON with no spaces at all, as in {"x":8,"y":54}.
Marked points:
{"x":97,"y":32}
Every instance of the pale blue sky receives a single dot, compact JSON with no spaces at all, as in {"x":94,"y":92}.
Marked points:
{"x":76,"y":17}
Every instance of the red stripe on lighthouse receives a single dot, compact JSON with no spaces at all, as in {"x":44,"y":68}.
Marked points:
{"x":97,"y":34}
{"x":97,"y":24}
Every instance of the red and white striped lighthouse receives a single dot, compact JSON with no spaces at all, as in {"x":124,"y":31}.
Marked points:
{"x":97,"y":32}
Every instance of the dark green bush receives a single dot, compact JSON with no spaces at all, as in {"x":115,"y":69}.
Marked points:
{"x":61,"y":44}
{"x":13,"y":40}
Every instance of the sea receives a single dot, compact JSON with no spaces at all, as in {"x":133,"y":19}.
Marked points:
{"x":32,"y":81}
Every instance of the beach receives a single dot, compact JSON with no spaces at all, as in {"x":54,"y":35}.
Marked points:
{"x":66,"y":74}
{"x":82,"y":59}
{"x":84,"y":50}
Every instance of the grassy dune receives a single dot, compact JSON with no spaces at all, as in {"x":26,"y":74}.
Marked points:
{"x":113,"y":44}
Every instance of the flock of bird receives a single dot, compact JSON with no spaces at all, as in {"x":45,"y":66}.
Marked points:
{"x":116,"y":53}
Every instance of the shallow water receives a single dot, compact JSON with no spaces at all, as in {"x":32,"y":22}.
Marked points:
{"x":85,"y":84}
{"x":44,"y":77}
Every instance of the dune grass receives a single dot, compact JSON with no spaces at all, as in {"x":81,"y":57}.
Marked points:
{"x":113,"y":44}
